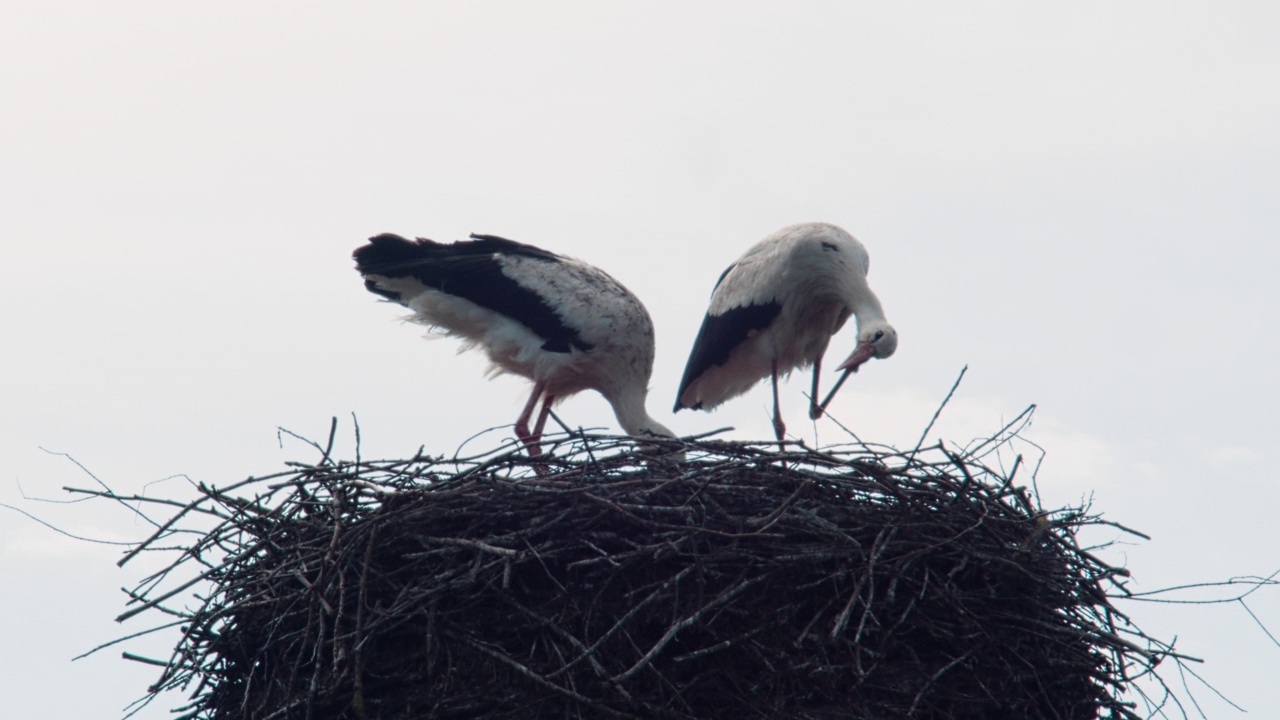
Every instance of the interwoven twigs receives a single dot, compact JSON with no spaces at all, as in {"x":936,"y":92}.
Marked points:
{"x":600,"y":581}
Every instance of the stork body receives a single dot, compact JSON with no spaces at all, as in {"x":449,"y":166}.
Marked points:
{"x":566,"y":325}
{"x":776,"y":309}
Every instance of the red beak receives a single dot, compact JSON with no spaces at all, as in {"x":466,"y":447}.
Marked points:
{"x":864,"y":352}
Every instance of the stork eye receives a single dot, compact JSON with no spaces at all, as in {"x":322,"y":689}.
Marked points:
{"x":879,"y":334}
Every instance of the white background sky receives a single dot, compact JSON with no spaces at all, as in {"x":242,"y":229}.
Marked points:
{"x":1078,"y":200}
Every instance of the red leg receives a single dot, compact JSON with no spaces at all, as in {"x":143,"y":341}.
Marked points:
{"x":535,"y":447}
{"x":815,"y":410}
{"x":779,"y":427}
{"x":522,"y":422}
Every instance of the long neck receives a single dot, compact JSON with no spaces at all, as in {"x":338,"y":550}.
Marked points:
{"x":866,"y":306}
{"x":632,"y":416}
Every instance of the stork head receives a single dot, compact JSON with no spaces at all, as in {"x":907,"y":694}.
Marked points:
{"x":876,"y":339}
{"x":628,"y":405}
{"x":660,"y":452}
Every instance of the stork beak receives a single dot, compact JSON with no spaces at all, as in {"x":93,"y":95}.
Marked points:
{"x":864,"y":352}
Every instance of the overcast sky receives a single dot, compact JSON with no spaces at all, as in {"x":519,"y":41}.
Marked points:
{"x":1077,"y":200}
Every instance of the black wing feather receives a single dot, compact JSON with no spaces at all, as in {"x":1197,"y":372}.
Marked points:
{"x":720,"y":335}
{"x":470,"y":270}
{"x":723,"y":275}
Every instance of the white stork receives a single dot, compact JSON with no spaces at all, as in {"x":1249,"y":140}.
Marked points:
{"x":775,"y":310}
{"x":564,"y":324}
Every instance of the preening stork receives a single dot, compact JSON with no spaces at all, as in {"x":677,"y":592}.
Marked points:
{"x":564,"y":324}
{"x":775,"y":310}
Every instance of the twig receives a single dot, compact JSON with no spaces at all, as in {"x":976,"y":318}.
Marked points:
{"x":937,"y":412}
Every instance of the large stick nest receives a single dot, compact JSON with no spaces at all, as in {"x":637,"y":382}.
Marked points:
{"x":744,"y":583}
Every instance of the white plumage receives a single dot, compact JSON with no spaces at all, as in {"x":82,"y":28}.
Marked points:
{"x":566,"y":325}
{"x":775,"y":310}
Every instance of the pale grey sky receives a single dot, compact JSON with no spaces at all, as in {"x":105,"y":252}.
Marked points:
{"x":1076,"y":200}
